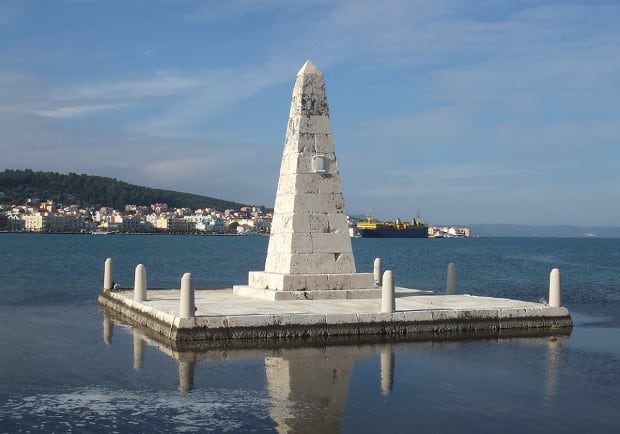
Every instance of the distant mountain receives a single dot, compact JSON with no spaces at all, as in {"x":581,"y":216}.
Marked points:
{"x":17,"y":186}
{"x":558,"y":231}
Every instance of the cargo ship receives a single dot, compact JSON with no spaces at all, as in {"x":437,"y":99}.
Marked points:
{"x":377,"y":229}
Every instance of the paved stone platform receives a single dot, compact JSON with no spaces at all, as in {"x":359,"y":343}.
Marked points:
{"x":222,"y":315}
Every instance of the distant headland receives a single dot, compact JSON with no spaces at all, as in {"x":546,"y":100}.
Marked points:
{"x":124,"y":207}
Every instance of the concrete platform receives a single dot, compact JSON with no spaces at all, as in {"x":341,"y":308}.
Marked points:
{"x":220,"y":315}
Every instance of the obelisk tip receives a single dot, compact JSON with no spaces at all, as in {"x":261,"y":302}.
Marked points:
{"x":308,"y":68}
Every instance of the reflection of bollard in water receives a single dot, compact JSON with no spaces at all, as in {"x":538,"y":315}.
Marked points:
{"x":555,"y":288}
{"x":377,"y":271}
{"x":387,"y":370}
{"x":387,"y":293}
{"x":187,"y":304}
{"x":186,"y":375}
{"x":108,"y":274}
{"x":553,"y":366}
{"x":139,"y":285}
{"x":107,"y":330}
{"x":451,"y":279}
{"x":138,"y":350}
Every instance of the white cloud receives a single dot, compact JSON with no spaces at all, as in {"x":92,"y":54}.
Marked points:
{"x":69,"y":112}
{"x":231,"y":9}
{"x":160,"y":84}
{"x":223,"y":89}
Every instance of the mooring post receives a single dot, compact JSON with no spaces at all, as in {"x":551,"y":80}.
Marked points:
{"x":139,"y":285}
{"x":555,"y":288}
{"x":377,"y":271}
{"x":187,"y":307}
{"x":451,"y":279}
{"x":108,"y":274}
{"x":387,"y":293}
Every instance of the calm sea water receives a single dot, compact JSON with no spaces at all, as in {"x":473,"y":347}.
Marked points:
{"x":65,"y":367}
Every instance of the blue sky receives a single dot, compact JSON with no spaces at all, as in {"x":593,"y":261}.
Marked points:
{"x":470,"y":111}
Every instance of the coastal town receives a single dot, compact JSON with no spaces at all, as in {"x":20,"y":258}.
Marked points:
{"x":51,"y":217}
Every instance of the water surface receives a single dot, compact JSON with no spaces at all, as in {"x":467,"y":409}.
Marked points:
{"x":65,"y":367}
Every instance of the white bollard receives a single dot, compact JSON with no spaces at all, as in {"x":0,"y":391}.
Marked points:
{"x":451,"y":280}
{"x":187,"y":307}
{"x":108,"y":274}
{"x":139,"y":285}
{"x":387,"y":293}
{"x":555,"y":288}
{"x":377,"y":271}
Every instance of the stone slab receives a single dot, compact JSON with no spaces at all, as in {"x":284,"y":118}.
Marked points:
{"x":327,"y":294}
{"x":221,"y":315}
{"x":305,"y":282}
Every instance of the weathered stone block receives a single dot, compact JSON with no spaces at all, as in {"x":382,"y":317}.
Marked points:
{"x":343,"y":324}
{"x":330,"y":183}
{"x":312,"y":263}
{"x":514,"y":313}
{"x":217,"y":322}
{"x":276,"y":281}
{"x":417,"y":316}
{"x":291,"y":282}
{"x":318,"y":223}
{"x":555,"y":312}
{"x":344,"y":262}
{"x":296,"y":242}
{"x":284,"y":223}
{"x":288,"y":167}
{"x":306,"y":144}
{"x":338,"y":223}
{"x":362,"y":281}
{"x":285,"y":203}
{"x":257,"y":279}
{"x":247,"y":321}
{"x":324,"y":143}
{"x":278,"y":263}
{"x":307,"y":182}
{"x":316,"y":282}
{"x":286,"y":184}
{"x":275,"y":243}
{"x":331,"y":243}
{"x":339,"y":281}
{"x":314,"y":202}
{"x":315,"y":125}
{"x":444,"y":315}
{"x":292,"y":130}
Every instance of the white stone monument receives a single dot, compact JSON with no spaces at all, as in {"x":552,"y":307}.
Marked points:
{"x":309,"y":254}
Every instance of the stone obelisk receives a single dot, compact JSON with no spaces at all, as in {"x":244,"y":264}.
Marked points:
{"x":309,"y":246}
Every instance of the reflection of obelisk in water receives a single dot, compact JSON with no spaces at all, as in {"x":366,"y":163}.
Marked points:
{"x":138,"y":350}
{"x":387,"y":369}
{"x":309,"y":388}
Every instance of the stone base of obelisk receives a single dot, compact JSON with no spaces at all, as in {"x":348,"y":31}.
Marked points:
{"x":276,"y":286}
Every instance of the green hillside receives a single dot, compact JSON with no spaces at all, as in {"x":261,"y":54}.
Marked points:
{"x":16,"y":186}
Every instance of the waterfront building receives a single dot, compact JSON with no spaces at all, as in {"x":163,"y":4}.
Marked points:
{"x":158,"y":221}
{"x":48,"y":222}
